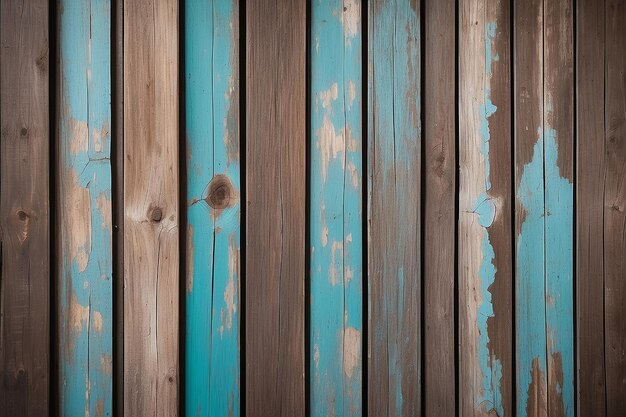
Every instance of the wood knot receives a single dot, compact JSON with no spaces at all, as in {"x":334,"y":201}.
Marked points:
{"x":21,"y":214}
{"x":156,"y":215}
{"x":220,"y":192}
{"x":24,"y":131}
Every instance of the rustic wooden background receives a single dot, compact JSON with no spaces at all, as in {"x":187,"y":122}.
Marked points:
{"x":329,"y":208}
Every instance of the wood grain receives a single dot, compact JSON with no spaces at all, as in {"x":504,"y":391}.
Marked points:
{"x":558,"y":135}
{"x":544,"y":213}
{"x":336,"y":235}
{"x":85,"y":218}
{"x":275,"y":207}
{"x":394,"y":208}
{"x":615,"y":208}
{"x":24,"y":209}
{"x":439,"y":210}
{"x":530,"y":316}
{"x":151,"y":267}
{"x":590,"y":174}
{"x":213,"y":208}
{"x":485,"y":240}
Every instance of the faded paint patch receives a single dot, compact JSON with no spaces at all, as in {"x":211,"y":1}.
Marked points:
{"x":103,"y":203}
{"x":328,"y":96}
{"x":77,"y":207}
{"x":354,"y":175}
{"x":106,"y":364}
{"x":351,"y":350}
{"x":330,"y":143}
{"x":351,"y":18}
{"x":351,"y":92}
{"x":99,"y":137}
{"x":78,"y":314}
{"x":79,"y":136}
{"x":316,"y":355}
{"x":336,"y":259}
{"x":229,"y":291}
{"x":97,"y":321}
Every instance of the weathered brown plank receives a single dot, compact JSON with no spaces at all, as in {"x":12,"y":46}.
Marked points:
{"x":531,"y":384}
{"x":275,"y":207}
{"x":558,"y":136}
{"x":151,"y":268}
{"x":615,"y":208}
{"x":24,"y":205}
{"x":439,"y":210}
{"x":590,"y":166}
{"x":485,"y":239}
{"x":394,"y":208}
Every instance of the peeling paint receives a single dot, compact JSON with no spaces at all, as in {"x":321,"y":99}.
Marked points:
{"x":351,"y":351}
{"x":103,"y":203}
{"x":351,"y":19}
{"x":97,"y":321}
{"x":78,"y":315}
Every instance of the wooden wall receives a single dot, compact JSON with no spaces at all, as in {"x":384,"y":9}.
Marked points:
{"x":324,"y":208}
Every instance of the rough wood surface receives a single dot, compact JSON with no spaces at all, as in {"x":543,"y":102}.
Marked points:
{"x":558,"y":165}
{"x":394,"y":208}
{"x":84,"y":210}
{"x":485,"y":239}
{"x":439,"y":211}
{"x":544,"y":212}
{"x":530,"y":314}
{"x":24,"y":209}
{"x":336,"y":227}
{"x":590,"y":174}
{"x":151,"y":267}
{"x":615,"y":208}
{"x":213,"y":208}
{"x":275,"y":207}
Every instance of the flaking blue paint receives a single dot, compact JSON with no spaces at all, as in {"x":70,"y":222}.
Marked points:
{"x":530,"y":305}
{"x":490,"y":396}
{"x":85,"y":296}
{"x":336,"y":213}
{"x":212,"y":308}
{"x":559,"y":239}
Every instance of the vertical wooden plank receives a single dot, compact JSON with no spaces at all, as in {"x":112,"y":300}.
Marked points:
{"x":151,"y":269}
{"x":485,"y":240}
{"x":529,"y":210}
{"x":439,"y":211}
{"x":394,"y":212}
{"x":275,"y":207}
{"x":336,"y":213}
{"x":213,"y":208}
{"x":544,"y":213}
{"x":24,"y":205}
{"x":615,"y":208}
{"x":590,"y":198}
{"x":558,"y":136}
{"x":85,"y":256}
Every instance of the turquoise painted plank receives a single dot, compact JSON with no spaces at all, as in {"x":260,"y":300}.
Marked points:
{"x":394,"y":208}
{"x":545,"y":310}
{"x":336,"y":212}
{"x":558,"y":119}
{"x":213,"y":208}
{"x":85,"y":291}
